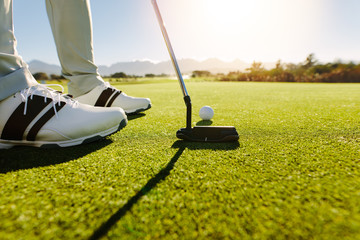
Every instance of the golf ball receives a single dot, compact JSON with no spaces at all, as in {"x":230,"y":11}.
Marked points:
{"x":206,"y":113}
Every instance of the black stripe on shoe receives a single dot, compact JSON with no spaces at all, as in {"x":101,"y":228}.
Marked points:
{"x":41,"y":122}
{"x":104,"y":97}
{"x":113,"y":98}
{"x":18,"y":122}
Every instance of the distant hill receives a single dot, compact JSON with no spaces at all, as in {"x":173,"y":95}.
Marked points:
{"x":187,"y":66}
{"x":39,"y":66}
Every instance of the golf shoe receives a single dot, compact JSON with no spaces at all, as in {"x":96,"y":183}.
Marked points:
{"x":106,"y":95}
{"x":42,"y":117}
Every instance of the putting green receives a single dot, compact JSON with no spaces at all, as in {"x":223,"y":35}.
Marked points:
{"x":294,"y":174}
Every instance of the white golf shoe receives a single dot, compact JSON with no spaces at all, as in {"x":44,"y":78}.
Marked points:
{"x":106,"y":95}
{"x":41,"y":117}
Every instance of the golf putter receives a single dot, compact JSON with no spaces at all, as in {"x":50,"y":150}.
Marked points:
{"x":197,"y":133}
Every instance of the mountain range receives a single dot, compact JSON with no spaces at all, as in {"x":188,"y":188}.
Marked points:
{"x":141,"y":68}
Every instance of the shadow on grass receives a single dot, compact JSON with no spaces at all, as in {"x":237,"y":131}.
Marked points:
{"x":160,"y":176}
{"x":19,"y":158}
{"x":206,"y":145}
{"x":135,"y":116}
{"x":204,"y":123}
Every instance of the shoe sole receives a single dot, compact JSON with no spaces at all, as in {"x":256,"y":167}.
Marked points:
{"x":6,"y":144}
{"x":135,"y":111}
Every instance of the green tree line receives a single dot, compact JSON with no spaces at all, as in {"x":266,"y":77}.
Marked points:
{"x":308,"y":71}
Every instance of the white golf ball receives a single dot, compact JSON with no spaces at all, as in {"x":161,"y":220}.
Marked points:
{"x":206,"y":113}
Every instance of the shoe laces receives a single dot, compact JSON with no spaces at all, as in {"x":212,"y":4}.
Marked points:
{"x":48,"y":93}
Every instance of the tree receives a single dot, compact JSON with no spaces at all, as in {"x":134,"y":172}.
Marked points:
{"x":41,"y":76}
{"x":56,"y":77}
{"x":119,"y":75}
{"x":256,"y":67}
{"x":310,"y":61}
{"x":278,"y":64}
{"x":201,"y":74}
{"x":150,"y":75}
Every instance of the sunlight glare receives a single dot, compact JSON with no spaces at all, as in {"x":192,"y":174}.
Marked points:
{"x":225,"y":12}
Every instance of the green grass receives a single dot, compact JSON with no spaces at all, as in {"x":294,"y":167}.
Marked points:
{"x":294,"y":174}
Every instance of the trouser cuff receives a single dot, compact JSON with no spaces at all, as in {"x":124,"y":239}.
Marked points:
{"x":81,"y":84}
{"x":15,"y":82}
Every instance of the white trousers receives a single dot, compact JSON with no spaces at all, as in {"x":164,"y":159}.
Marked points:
{"x":71,"y":26}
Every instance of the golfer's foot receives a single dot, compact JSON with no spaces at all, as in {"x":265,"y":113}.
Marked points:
{"x":107,"y":96}
{"x":41,"y":117}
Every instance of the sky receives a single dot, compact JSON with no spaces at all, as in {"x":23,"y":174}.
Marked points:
{"x":249,"y":30}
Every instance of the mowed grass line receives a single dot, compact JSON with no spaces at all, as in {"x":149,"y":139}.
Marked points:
{"x":293,"y":175}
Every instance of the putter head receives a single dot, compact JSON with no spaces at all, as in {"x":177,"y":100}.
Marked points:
{"x":208,"y":134}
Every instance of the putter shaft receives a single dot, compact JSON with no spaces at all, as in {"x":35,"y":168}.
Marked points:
{"x":169,"y":47}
